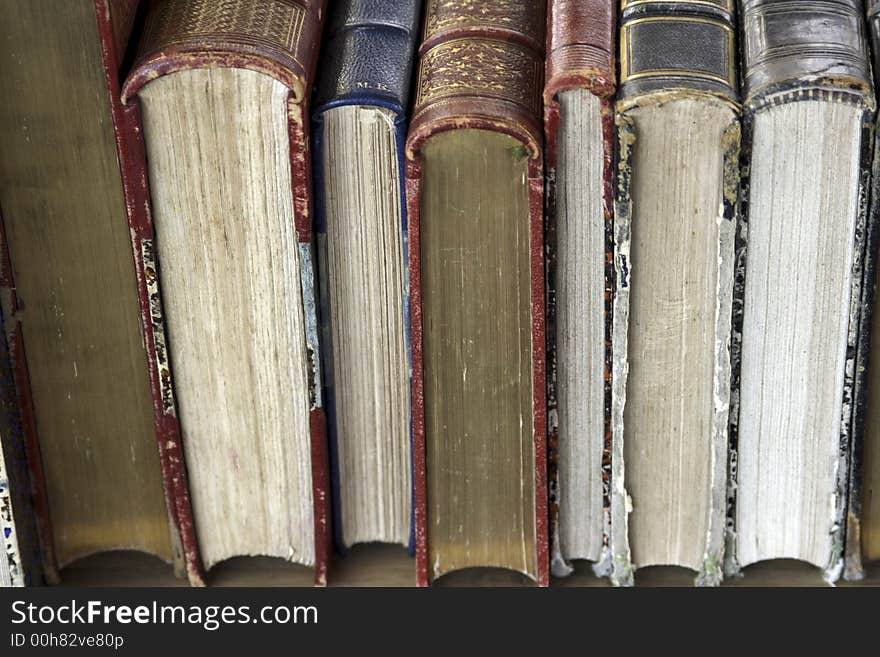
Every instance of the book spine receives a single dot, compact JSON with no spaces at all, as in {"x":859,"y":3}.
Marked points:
{"x":24,"y":515}
{"x":784,"y":62}
{"x":580,"y":55}
{"x":30,"y":469}
{"x":676,"y":47}
{"x":866,"y":241}
{"x":132,"y":162}
{"x":11,"y":568}
{"x":853,"y":569}
{"x":672,"y":51}
{"x":580,"y":47}
{"x":279,"y":38}
{"x":120,"y":15}
{"x":480,"y":67}
{"x":368,"y":54}
{"x":367,"y":59}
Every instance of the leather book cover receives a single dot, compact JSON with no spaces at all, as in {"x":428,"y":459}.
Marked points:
{"x":481,"y":67}
{"x":95,"y":477}
{"x":115,"y":22}
{"x":792,"y":52}
{"x":280,"y":39}
{"x":21,"y":565}
{"x":863,"y":495}
{"x":367,"y":56}
{"x":670,"y":52}
{"x":366,"y":60}
{"x":581,"y":38}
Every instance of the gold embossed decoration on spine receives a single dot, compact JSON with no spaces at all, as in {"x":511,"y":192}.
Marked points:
{"x":687,"y":46}
{"x":481,"y":65}
{"x":676,"y":191}
{"x":465,"y":61}
{"x":480,"y":81}
{"x":521,"y":19}
{"x":275,"y":37}
{"x":221,"y":41}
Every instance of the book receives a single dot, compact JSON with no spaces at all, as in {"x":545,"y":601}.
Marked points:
{"x":474,"y":188}
{"x":359,"y":132}
{"x":219,"y":91}
{"x":77,"y":352}
{"x":808,"y":108}
{"x":20,"y":561}
{"x":675,"y":212}
{"x":11,"y":569}
{"x":579,"y":147}
{"x":862,"y":538}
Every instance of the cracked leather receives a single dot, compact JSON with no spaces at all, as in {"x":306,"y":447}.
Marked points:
{"x":678,"y":45}
{"x":793,"y":46}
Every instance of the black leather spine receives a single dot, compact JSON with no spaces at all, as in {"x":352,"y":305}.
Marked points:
{"x":853,"y":569}
{"x":666,"y":46}
{"x":367,"y":60}
{"x":368,"y":54}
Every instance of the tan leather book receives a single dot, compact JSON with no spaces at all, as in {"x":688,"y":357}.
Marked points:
{"x":82,"y":366}
{"x":474,"y":186}
{"x":219,"y":94}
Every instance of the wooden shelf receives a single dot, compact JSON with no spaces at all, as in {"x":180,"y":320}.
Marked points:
{"x":383,"y":565}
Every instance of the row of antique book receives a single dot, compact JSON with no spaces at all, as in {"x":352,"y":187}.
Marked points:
{"x":566,"y":306}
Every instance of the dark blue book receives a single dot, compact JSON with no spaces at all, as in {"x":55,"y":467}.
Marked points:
{"x":359,"y":130}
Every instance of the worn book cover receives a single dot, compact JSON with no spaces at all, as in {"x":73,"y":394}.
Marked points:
{"x":359,"y":132}
{"x":807,"y":122}
{"x":676,"y":196}
{"x":116,"y":21}
{"x":579,"y":148}
{"x":81,"y":372}
{"x":218,"y":101}
{"x":862,"y":541}
{"x":474,"y":187}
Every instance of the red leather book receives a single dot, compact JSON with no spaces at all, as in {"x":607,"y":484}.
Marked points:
{"x":579,"y":129}
{"x":474,"y":185}
{"x":115,"y":23}
{"x":69,"y":293}
{"x":219,"y":89}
